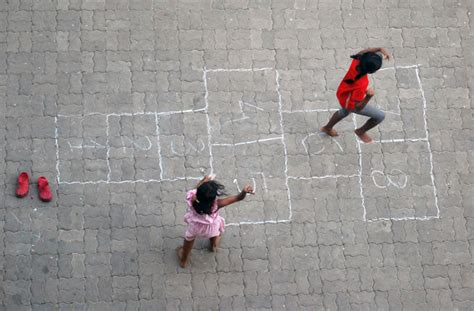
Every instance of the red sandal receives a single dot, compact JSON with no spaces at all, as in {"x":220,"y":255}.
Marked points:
{"x":44,"y":190}
{"x":23,"y":185}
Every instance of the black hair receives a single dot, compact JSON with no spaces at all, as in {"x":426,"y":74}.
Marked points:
{"x":370,"y":62}
{"x":206,"y":194}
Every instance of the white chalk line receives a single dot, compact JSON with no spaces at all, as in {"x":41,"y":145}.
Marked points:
{"x":388,"y":179}
{"x":303,"y":142}
{"x":131,"y":114}
{"x":208,"y":121}
{"x":257,"y":222}
{"x":134,"y":143}
{"x":249,"y":105}
{"x":435,"y":191}
{"x":56,"y":137}
{"x":134,"y":181}
{"x":400,"y":140}
{"x":265,"y":187}
{"x":237,"y":69}
{"x":254,"y":183}
{"x":107,"y":143}
{"x":392,"y":112}
{"x":245,"y":117}
{"x":400,"y":67}
{"x":322,"y":177}
{"x":237,"y":185}
{"x":249,"y":142}
{"x":422,"y":218}
{"x":319,"y":134}
{"x":174,"y":151}
{"x":285,"y":148}
{"x":17,"y":219}
{"x":196,"y":149}
{"x":158,"y":142}
{"x":95,"y":145}
{"x":309,"y":110}
{"x":361,"y":189}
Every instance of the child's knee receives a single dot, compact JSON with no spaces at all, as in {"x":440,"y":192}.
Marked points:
{"x":380,"y":116}
{"x":342,"y":113}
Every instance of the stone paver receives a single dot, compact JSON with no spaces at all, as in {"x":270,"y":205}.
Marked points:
{"x":122,"y":104}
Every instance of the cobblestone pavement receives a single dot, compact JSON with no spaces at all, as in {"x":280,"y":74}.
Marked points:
{"x":123,"y":104}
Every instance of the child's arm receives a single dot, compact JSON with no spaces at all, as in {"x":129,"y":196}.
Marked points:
{"x":205,"y":179}
{"x":385,"y":53}
{"x":234,"y":198}
{"x":368,"y":95}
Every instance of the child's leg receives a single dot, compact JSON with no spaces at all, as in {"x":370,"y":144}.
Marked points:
{"x":184,"y":251}
{"x":336,"y":117}
{"x":215,"y":241}
{"x":376,"y":116}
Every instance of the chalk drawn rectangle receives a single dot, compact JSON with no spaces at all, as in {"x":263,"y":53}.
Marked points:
{"x":133,"y":148}
{"x":243,"y":105}
{"x":312,"y":153}
{"x":325,"y":199}
{"x":304,"y":90}
{"x":397,"y":181}
{"x":399,"y":93}
{"x":260,"y":165}
{"x":183,"y":145}
{"x":82,"y":149}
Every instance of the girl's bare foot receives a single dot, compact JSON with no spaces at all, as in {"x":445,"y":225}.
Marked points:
{"x":179,"y":252}
{"x":331,"y":132}
{"x":364,"y":137}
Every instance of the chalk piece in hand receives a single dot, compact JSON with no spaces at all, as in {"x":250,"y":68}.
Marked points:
{"x":212,"y":176}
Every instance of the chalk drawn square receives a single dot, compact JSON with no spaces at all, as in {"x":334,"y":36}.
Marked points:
{"x":133,"y":147}
{"x":242,"y":105}
{"x":82,"y":148}
{"x":260,"y":165}
{"x":397,"y":181}
{"x":313,"y":153}
{"x":184,"y":149}
{"x":398,"y":93}
{"x":325,"y":199}
{"x":308,"y":89}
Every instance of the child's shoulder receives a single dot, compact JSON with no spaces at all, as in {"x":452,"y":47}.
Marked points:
{"x":190,"y":195}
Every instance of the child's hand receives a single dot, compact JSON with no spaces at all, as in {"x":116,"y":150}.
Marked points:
{"x":205,"y":179}
{"x":208,"y":178}
{"x":248,"y":189}
{"x":370,"y":92}
{"x":386,"y":54}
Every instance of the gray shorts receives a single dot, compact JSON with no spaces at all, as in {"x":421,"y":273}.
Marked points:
{"x":370,"y":111}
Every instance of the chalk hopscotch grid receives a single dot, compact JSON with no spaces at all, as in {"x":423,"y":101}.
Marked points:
{"x":281,"y":113}
{"x":359,"y":151}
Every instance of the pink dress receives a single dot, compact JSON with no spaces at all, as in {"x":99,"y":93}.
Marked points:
{"x":202,"y":226}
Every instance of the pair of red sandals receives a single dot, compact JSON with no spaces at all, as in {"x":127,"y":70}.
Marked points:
{"x":44,"y":190}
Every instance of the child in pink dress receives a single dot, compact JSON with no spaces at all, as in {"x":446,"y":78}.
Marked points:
{"x":203,"y":217}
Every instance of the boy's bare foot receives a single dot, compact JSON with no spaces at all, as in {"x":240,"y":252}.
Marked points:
{"x":364,"y":137}
{"x":179,"y":252}
{"x":331,"y":132}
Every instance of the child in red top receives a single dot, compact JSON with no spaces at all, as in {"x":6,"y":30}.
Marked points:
{"x":353,"y":93}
